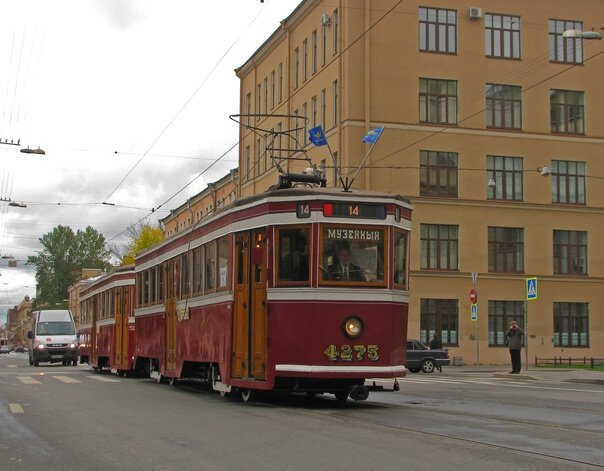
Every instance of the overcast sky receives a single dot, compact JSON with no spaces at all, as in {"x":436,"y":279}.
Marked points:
{"x":84,"y":79}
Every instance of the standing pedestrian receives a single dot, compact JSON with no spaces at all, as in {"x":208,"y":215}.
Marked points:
{"x":513,"y":341}
{"x":436,"y":344}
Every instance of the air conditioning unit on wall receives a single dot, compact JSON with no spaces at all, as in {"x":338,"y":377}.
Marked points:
{"x":325,"y":20}
{"x":475,"y":12}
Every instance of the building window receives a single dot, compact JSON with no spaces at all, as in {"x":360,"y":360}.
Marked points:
{"x":323,"y":108}
{"x":258,"y":99}
{"x":258,"y":156}
{"x":438,"y":173}
{"x":248,"y":108}
{"x":313,"y":110}
{"x":305,"y":127}
{"x":266,"y":94}
{"x":280,"y":80}
{"x":565,"y":50}
{"x":439,"y":246}
{"x":504,"y":106}
{"x":272,"y":89}
{"x":568,"y":182}
{"x":439,"y":316}
{"x":336,"y":25}
{"x":437,"y":30}
{"x":571,"y":324}
{"x":506,"y":249}
{"x":501,"y":313}
{"x":437,"y":101}
{"x":296,"y":67}
{"x":335,"y":102}
{"x":506,"y":172}
{"x":567,"y":112}
{"x":570,"y":252}
{"x":314,"y":51}
{"x":323,"y":44}
{"x":502,"y":36}
{"x":247,"y":163}
{"x":296,"y":131}
{"x":305,"y":60}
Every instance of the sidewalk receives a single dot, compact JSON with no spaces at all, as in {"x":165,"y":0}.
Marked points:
{"x":533,"y":373}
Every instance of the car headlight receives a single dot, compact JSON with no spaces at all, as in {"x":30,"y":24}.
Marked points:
{"x":41,"y":346}
{"x":72,"y":345}
{"x":353,"y":327}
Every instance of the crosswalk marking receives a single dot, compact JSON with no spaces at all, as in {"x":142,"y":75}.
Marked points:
{"x":11,"y":366}
{"x":104,"y":379}
{"x":28,"y":380}
{"x":16,"y":408}
{"x":66,"y":379}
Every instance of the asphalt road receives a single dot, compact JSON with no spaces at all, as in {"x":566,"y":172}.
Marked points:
{"x":57,"y":417}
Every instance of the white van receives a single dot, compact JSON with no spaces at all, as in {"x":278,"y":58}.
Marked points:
{"x":53,"y":337}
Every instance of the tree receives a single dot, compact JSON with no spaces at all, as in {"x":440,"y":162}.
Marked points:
{"x":60,"y":263}
{"x":147,"y":237}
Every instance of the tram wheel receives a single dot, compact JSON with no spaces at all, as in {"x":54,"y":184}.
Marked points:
{"x":428,"y":366}
{"x":341,"y":396}
{"x":248,"y":395}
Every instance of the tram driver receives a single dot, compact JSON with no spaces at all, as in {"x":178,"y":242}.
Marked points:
{"x":344,"y":269}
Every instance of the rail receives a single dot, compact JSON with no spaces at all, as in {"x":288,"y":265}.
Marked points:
{"x":560,"y":361}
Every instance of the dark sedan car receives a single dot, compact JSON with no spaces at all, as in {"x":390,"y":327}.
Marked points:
{"x":420,"y":357}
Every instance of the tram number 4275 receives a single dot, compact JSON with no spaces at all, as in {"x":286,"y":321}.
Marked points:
{"x":352,"y":352}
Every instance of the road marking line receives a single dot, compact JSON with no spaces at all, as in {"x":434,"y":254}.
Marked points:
{"x":11,"y":366}
{"x":16,"y":408}
{"x":66,"y":379}
{"x":106,"y":380}
{"x":28,"y":380}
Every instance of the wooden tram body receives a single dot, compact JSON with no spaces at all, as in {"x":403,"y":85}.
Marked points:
{"x":250,"y":299}
{"x":107,"y":330}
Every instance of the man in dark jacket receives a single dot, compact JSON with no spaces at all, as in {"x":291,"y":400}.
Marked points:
{"x":513,"y":341}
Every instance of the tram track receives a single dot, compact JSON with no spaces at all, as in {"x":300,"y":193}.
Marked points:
{"x":524,"y":451}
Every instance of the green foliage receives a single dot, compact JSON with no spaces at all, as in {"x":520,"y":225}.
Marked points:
{"x":60,"y":263}
{"x":147,"y":237}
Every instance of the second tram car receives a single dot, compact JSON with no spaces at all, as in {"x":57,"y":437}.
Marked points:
{"x":299,"y":289}
{"x":107,"y":334}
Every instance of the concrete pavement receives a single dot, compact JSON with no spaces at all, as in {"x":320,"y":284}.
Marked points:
{"x":532,"y":373}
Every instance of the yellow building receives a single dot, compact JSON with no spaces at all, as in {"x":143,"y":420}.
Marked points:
{"x":215,"y":196}
{"x":492,"y":127}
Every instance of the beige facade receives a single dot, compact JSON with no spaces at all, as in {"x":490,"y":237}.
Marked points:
{"x":467,"y":92}
{"x":215,"y":196}
{"x":18,"y":322}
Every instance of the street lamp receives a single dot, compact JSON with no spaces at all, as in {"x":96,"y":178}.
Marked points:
{"x":575,"y":33}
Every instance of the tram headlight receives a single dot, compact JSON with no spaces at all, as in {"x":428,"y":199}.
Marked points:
{"x":353,"y":327}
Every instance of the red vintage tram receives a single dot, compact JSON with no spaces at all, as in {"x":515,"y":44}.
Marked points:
{"x":299,"y":289}
{"x":107,"y":333}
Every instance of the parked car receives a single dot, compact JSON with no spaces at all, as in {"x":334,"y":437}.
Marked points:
{"x":19,"y":349}
{"x":4,"y":349}
{"x":421,"y":357}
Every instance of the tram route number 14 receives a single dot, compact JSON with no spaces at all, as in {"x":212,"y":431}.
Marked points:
{"x":352,"y":352}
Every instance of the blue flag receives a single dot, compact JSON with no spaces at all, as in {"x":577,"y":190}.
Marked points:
{"x":317,"y":136}
{"x":372,"y":136}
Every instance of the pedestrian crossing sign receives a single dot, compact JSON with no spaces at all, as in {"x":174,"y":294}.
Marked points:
{"x":531,"y":288}
{"x":473,"y":312}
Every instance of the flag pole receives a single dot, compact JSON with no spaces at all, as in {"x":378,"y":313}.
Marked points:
{"x":366,"y":156}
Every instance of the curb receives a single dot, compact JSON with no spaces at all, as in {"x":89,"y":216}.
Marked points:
{"x":585,"y":380}
{"x":514,"y":376}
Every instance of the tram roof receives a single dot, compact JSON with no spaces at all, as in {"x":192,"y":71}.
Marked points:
{"x":318,"y":192}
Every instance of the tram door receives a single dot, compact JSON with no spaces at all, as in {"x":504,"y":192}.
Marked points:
{"x":249,"y":323}
{"x":122,"y":303}
{"x":170,"y":318}
{"x":93,"y":331}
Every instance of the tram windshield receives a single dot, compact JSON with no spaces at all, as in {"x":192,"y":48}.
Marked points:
{"x":352,"y":254}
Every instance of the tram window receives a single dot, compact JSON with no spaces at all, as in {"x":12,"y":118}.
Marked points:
{"x":139,"y":291}
{"x":153,"y":294}
{"x":146,"y":288}
{"x":293,"y":254}
{"x":223,"y":261}
{"x":185,"y":284}
{"x":210,"y":266}
{"x":160,"y":283}
{"x":197,"y":271}
{"x":400,"y":259}
{"x":353,"y":254}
